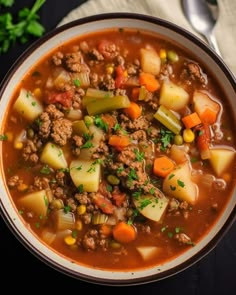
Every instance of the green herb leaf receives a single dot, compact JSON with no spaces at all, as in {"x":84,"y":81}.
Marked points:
{"x":3,"y":137}
{"x":67,"y":209}
{"x":27,"y":25}
{"x":77,"y":83}
{"x":7,"y":3}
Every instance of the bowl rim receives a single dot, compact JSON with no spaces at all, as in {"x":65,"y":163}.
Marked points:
{"x":230,"y":219}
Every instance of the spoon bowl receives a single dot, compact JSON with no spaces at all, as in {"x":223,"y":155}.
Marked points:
{"x":201,"y":19}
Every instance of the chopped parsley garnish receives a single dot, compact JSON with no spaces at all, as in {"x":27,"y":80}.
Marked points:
{"x":88,"y":144}
{"x":74,"y":234}
{"x":67,"y":209}
{"x":132,"y":174}
{"x":109,"y":188}
{"x":120,"y":169}
{"x":139,"y":156}
{"x":45,"y":170}
{"x":164,"y":228}
{"x":180,"y":183}
{"x":152,"y":191}
{"x":3,"y":137}
{"x":137,"y":194}
{"x":81,"y":188}
{"x":38,"y":122}
{"x":100,"y":123}
{"x":171,"y":176}
{"x":170,"y":235}
{"x":178,"y":230}
{"x":144,"y":203}
{"x":77,"y":82}
{"x":37,"y":225}
{"x":173,"y":188}
{"x":166,"y":138}
{"x":117,"y":127}
{"x":45,"y":201}
{"x":87,"y":136}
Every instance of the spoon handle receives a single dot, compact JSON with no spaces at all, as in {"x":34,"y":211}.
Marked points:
{"x":213,"y":43}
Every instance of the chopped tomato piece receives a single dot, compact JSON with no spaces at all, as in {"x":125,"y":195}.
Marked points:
{"x":65,"y":98}
{"x":106,"y":48}
{"x":203,"y":140}
{"x":119,"y":198}
{"x":120,"y":76}
{"x":104,"y":204}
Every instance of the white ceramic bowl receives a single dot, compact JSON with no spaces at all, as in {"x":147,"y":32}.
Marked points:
{"x":54,"y":39}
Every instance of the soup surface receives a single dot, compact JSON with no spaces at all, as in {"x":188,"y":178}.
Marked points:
{"x":118,"y":150}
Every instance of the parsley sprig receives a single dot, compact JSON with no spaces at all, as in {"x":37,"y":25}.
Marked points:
{"x":7,"y":3}
{"x":27,"y":25}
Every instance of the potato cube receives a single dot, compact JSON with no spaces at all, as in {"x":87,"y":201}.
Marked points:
{"x":37,"y":202}
{"x":221,"y":159}
{"x":28,"y":106}
{"x":53,"y":156}
{"x":173,"y":97}
{"x":86,"y":174}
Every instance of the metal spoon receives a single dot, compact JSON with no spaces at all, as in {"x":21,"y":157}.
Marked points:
{"x":200,"y":17}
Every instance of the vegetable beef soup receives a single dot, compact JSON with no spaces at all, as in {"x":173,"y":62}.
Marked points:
{"x":118,"y":150}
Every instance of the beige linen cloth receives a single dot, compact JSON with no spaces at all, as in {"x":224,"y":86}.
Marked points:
{"x":171,"y":10}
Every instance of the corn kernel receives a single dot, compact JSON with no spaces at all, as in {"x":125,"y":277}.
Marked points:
{"x":163,"y":54}
{"x":81,"y":209}
{"x":69,"y":240}
{"x":18,"y":145}
{"x":37,"y":92}
{"x":22,"y":187}
{"x":110,"y":70}
{"x":125,"y":74}
{"x":79,"y":225}
{"x":9,"y":136}
{"x":188,"y":135}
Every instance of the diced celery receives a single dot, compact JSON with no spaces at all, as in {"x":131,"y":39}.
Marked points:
{"x":168,"y":119}
{"x":97,"y":93}
{"x":79,"y":127}
{"x":104,"y":105}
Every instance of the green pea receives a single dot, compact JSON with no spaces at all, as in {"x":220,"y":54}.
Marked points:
{"x":172,"y":56}
{"x":112,"y":179}
{"x":88,"y":120}
{"x":178,"y":140}
{"x":30,"y":133}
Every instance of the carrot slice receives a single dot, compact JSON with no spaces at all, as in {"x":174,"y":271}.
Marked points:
{"x":124,"y":233}
{"x":105,"y":230}
{"x":163,"y":166}
{"x":135,"y":93}
{"x":149,"y":81}
{"x":119,"y":198}
{"x":120,"y":141}
{"x":134,"y":111}
{"x":104,"y":204}
{"x":191,"y":120}
{"x":209,"y":116}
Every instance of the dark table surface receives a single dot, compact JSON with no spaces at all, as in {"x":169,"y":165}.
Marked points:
{"x":214,"y":274}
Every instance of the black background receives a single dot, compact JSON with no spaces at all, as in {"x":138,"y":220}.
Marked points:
{"x":214,"y":274}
